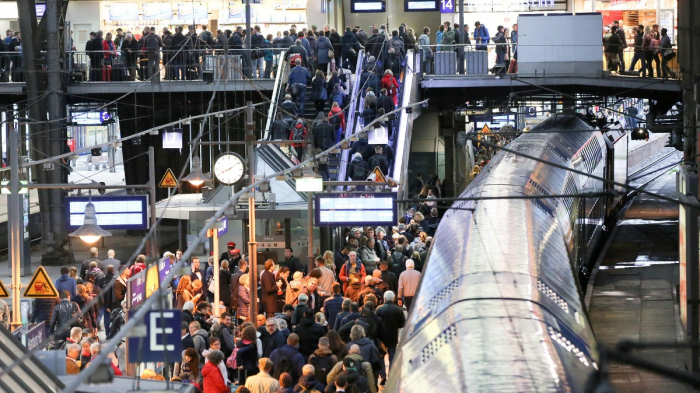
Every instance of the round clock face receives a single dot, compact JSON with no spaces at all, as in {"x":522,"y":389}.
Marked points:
{"x":229,"y":168}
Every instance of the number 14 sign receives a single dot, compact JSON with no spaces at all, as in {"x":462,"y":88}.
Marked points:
{"x":447,"y":6}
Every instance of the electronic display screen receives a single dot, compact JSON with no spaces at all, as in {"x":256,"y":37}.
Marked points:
{"x":355,"y":209}
{"x":420,"y":5}
{"x":367,"y":6}
{"x":112,"y":212}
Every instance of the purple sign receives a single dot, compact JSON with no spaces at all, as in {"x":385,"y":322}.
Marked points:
{"x":447,"y":6}
{"x":35,"y":335}
{"x":164,"y":267}
{"x":136,"y":287}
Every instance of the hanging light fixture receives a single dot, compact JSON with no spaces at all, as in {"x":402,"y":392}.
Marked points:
{"x":90,"y":232}
{"x":196,"y":177}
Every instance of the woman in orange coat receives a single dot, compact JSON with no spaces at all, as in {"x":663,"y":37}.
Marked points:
{"x":391,"y":85}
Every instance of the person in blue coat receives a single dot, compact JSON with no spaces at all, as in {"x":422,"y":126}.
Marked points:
{"x":481,"y":36}
{"x":293,"y":357}
{"x":66,"y":283}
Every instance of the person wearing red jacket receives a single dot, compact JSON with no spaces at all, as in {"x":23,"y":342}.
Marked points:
{"x":139,"y":265}
{"x":213,"y":380}
{"x":352,"y":267}
{"x":337,"y":114}
{"x":391,"y":85}
{"x":110,"y":53}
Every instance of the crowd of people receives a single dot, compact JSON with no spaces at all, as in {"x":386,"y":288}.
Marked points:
{"x":651,"y":45}
{"x":332,"y":326}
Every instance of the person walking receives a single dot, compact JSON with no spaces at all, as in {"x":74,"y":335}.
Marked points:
{"x":667,"y":54}
{"x":639,"y":53}
{"x":319,"y":92}
{"x":408,"y":284}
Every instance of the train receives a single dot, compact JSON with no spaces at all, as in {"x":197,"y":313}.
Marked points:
{"x":500,"y":306}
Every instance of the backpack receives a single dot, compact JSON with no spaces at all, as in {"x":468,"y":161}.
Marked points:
{"x":322,"y":365}
{"x":448,"y":38}
{"x":231,"y":362}
{"x":397,"y":44}
{"x":152,"y":43}
{"x":58,"y":345}
{"x":397,"y":259}
{"x":358,"y":170}
{"x":293,"y":57}
{"x":375,"y":359}
{"x":299,"y":130}
{"x":283,"y":365}
{"x":78,"y":315}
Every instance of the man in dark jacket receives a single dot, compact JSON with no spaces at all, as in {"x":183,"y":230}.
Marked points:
{"x":309,"y":333}
{"x":275,"y":339}
{"x":119,"y":289}
{"x":623,"y":40}
{"x":292,"y":262}
{"x":180,"y":45}
{"x":299,"y":52}
{"x":299,"y":309}
{"x":323,"y":133}
{"x":358,"y":169}
{"x":66,"y":283}
{"x":393,"y":320}
{"x":375,"y":46}
{"x":379,"y":160}
{"x":288,"y":355}
{"x":62,"y":313}
{"x":350,"y":46}
{"x":187,"y":340}
{"x":308,"y":381}
{"x":269,"y":289}
{"x":96,"y":60}
{"x":106,"y":296}
{"x":333,"y":305}
{"x":388,"y":277}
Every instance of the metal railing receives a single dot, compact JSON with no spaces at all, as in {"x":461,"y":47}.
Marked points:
{"x":355,"y":98}
{"x":490,"y":59}
{"x":170,"y":64}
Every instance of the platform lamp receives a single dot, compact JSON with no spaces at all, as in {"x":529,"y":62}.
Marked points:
{"x":90,"y":232}
{"x":196,"y":177}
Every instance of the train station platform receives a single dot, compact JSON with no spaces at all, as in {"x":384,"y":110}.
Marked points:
{"x":632,"y":295}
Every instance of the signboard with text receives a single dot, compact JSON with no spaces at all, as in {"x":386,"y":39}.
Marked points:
{"x":159,"y":338}
{"x":351,"y":209}
{"x":112,"y":212}
{"x":136,"y":289}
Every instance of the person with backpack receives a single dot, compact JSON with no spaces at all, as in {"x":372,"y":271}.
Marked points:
{"x":393,"y":62}
{"x":350,"y":47}
{"x":297,"y":80}
{"x":358,"y":169}
{"x":153,"y":45}
{"x":287,"y":359}
{"x":200,"y":337}
{"x":323,"y":360}
{"x":308,"y":383}
{"x":391,"y":85}
{"x":501,"y":49}
{"x":481,"y":36}
{"x":393,"y":320}
{"x":298,"y":133}
{"x":397,"y":44}
{"x":222,"y":331}
{"x":356,"y":371}
{"x":309,"y":333}
{"x":297,"y":52}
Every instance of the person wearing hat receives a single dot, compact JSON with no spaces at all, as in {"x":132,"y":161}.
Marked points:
{"x":232,"y":255}
{"x":262,"y":382}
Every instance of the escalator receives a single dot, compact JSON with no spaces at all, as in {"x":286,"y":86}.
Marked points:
{"x":275,"y":158}
{"x":351,"y":119}
{"x":402,"y":127}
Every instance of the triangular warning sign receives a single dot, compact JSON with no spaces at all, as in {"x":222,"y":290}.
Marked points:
{"x":169,"y":180}
{"x":41,"y":286}
{"x":378,"y":175}
{"x":485,"y":130}
{"x":3,"y":291}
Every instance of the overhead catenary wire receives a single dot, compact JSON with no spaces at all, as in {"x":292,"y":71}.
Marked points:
{"x":140,"y":313}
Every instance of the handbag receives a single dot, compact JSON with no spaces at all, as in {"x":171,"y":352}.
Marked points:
{"x":669,"y":54}
{"x":324,"y":95}
{"x":331,"y":53}
{"x":212,"y":287}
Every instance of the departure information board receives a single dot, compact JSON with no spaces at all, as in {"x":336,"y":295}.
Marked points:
{"x":420,"y":5}
{"x":354,"y":209}
{"x":361,"y":6}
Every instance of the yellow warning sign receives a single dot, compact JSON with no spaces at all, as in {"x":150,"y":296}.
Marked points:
{"x":3,"y":290}
{"x":152,"y":279}
{"x":41,"y":286}
{"x":169,"y":180}
{"x":378,"y":175}
{"x":484,"y":130}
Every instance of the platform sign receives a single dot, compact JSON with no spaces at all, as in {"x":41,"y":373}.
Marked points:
{"x":169,"y":180}
{"x":112,"y":212}
{"x":355,"y":209}
{"x":160,"y":338}
{"x":41,"y":286}
{"x":3,"y":291}
{"x":172,"y":138}
{"x":136,"y":289}
{"x":447,"y":6}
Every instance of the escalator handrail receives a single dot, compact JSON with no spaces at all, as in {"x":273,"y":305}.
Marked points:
{"x":350,"y":123}
{"x":276,"y":91}
{"x":403,"y":145}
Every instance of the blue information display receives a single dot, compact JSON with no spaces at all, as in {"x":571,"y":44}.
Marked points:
{"x":162,"y":337}
{"x":340,"y":209}
{"x":420,"y":5}
{"x":112,"y":212}
{"x":363,"y":6}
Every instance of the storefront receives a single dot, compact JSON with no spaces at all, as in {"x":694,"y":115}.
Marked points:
{"x":271,"y":15}
{"x":634,"y":12}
